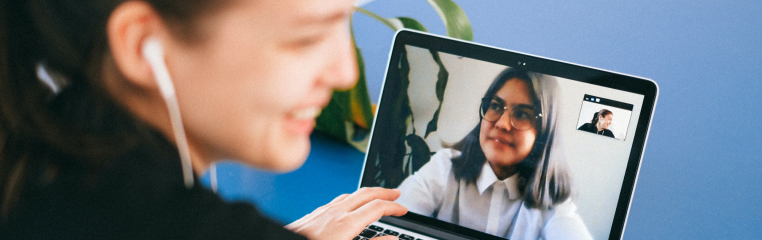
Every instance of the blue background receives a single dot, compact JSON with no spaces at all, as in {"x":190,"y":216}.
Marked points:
{"x":700,"y":175}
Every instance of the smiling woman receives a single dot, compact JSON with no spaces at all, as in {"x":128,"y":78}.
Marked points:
{"x":600,"y":123}
{"x":242,"y":65}
{"x":98,"y":155}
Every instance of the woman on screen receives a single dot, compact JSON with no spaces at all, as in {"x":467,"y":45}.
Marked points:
{"x":600,"y":123}
{"x":503,"y":179}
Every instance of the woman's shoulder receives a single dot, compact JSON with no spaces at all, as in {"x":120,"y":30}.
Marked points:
{"x":563,"y":222}
{"x":139,"y":189}
{"x":447,"y":153}
{"x":608,"y":132}
{"x":442,"y":159}
{"x":586,"y":126}
{"x":559,"y":221}
{"x":439,"y":166}
{"x":565,"y":208}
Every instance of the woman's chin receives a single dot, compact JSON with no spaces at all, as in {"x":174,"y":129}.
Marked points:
{"x":292,"y":158}
{"x":502,"y":157}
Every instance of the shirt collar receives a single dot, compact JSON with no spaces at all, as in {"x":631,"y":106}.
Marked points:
{"x":488,"y":178}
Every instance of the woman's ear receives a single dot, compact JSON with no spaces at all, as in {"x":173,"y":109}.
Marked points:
{"x":129,"y":26}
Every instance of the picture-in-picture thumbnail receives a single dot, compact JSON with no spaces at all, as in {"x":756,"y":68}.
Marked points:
{"x":604,"y":117}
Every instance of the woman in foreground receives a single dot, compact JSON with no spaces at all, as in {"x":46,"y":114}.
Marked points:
{"x":92,"y":137}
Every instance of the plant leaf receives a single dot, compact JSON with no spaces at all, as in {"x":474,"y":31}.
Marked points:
{"x":394,"y":23}
{"x":332,"y":119}
{"x":394,"y":26}
{"x":442,"y":78}
{"x":402,"y":103}
{"x":419,"y":151}
{"x":392,"y":141}
{"x":454,"y":19}
{"x":362,"y":112}
{"x":411,"y":24}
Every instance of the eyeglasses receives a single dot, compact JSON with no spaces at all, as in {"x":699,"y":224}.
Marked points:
{"x":522,"y":117}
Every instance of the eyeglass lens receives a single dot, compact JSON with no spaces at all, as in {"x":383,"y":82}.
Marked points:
{"x":522,"y":117}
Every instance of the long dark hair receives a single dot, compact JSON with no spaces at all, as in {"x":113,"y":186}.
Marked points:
{"x":543,"y":179}
{"x":599,"y":114}
{"x":73,"y":115}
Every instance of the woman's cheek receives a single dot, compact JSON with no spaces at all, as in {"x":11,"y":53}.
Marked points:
{"x":529,"y":139}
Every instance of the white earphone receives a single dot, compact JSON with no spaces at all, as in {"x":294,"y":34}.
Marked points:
{"x":154,"y":54}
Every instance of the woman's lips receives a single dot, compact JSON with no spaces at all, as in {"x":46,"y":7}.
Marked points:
{"x":501,"y":141}
{"x":302,"y":121}
{"x":305,"y":113}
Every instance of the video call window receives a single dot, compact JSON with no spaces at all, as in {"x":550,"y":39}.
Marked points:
{"x":604,"y":117}
{"x":428,"y":124}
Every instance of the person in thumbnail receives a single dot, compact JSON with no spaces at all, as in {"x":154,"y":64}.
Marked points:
{"x":600,"y":123}
{"x":502,"y":178}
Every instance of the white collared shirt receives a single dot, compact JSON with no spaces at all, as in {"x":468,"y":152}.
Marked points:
{"x":490,"y":205}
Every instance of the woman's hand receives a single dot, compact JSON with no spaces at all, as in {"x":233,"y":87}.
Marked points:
{"x":347,"y":215}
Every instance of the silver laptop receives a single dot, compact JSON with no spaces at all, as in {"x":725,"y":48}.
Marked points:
{"x":487,"y":143}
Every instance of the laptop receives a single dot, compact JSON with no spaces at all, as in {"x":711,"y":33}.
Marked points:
{"x":488,"y":143}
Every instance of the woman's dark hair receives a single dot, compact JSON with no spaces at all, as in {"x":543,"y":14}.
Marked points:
{"x":599,"y":114}
{"x":543,"y":179}
{"x":65,"y":42}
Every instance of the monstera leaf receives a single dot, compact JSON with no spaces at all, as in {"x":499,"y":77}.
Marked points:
{"x":442,"y":77}
{"x":349,"y":115}
{"x":419,"y":153}
{"x":454,"y":18}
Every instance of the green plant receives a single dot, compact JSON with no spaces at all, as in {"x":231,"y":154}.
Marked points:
{"x":349,"y":115}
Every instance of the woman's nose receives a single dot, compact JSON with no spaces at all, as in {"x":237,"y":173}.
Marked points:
{"x":342,"y":72}
{"x":504,"y":122}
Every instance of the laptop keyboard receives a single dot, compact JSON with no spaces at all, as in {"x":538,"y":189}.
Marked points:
{"x":380,"y":229}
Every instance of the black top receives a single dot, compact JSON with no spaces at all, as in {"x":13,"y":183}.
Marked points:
{"x":138,"y":195}
{"x":589,"y":127}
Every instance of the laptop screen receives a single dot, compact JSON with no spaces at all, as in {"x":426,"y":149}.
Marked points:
{"x":507,"y":144}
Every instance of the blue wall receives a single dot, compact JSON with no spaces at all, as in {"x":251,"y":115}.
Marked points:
{"x":702,"y":169}
{"x":701,"y":176}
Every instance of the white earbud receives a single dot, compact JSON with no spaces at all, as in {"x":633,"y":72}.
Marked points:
{"x":154,"y":54}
